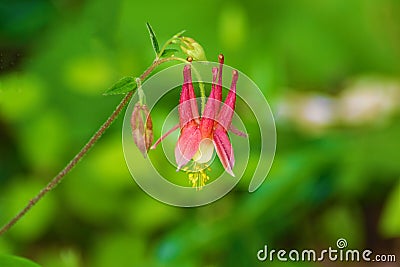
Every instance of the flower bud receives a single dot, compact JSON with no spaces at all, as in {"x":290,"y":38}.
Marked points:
{"x":142,"y":128}
{"x":192,"y":49}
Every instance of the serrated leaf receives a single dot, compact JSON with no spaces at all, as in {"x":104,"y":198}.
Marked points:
{"x":153,"y":38}
{"x":123,"y":86}
{"x":13,"y":261}
{"x":169,"y":52}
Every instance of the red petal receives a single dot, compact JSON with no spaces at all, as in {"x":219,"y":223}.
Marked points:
{"x":187,"y":104}
{"x":164,"y":136}
{"x":192,"y":96}
{"x":218,"y":92}
{"x":185,"y":114}
{"x":224,"y":150}
{"x":188,"y":144}
{"x":226,"y":113}
{"x":238,"y":132}
{"x":210,"y":110}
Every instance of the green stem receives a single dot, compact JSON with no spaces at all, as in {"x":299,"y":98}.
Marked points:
{"x":140,"y":91}
{"x":167,"y":43}
{"x":85,"y":149}
{"x":202,"y":89}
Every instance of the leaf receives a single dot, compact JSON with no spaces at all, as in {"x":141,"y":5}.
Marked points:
{"x":390,"y":219}
{"x":123,"y":86}
{"x":179,"y":34}
{"x":169,"y":52}
{"x":13,"y":261}
{"x":153,"y":38}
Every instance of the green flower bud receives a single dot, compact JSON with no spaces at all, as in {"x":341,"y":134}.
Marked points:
{"x":192,"y":48}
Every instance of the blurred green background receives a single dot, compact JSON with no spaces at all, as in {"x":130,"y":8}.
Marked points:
{"x":329,"y":69}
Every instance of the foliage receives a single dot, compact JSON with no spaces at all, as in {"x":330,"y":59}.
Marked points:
{"x":12,"y":261}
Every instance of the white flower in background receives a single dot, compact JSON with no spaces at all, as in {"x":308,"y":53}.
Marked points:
{"x":317,"y":111}
{"x":368,"y":101}
{"x":312,"y":112}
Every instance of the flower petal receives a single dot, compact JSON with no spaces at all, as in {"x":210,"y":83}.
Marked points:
{"x":188,"y":109}
{"x":226,"y":113}
{"x":224,"y":150}
{"x":210,"y":110}
{"x":205,"y":152}
{"x":218,"y":91}
{"x":188,"y":144}
{"x":238,"y":132}
{"x":164,"y":136}
{"x":192,"y":96}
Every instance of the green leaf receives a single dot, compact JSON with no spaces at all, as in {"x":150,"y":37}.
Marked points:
{"x":153,"y":38}
{"x":169,"y":52}
{"x":179,"y":34}
{"x":390,"y":218}
{"x":13,"y":261}
{"x":123,"y":86}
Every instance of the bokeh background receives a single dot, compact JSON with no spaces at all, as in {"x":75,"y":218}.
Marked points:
{"x":329,"y":69}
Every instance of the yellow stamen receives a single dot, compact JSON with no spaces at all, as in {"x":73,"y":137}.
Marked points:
{"x":197,"y":175}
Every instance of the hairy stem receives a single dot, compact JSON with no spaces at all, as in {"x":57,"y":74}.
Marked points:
{"x":60,"y":176}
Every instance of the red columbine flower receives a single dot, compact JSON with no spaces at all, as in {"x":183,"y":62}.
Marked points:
{"x":201,"y":134}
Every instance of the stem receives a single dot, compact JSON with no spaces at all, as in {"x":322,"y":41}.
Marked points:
{"x":85,"y":149}
{"x":202,"y":89}
{"x":167,"y":43}
{"x":140,"y":91}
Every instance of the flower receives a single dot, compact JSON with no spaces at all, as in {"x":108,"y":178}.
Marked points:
{"x":199,"y":135}
{"x":142,"y":132}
